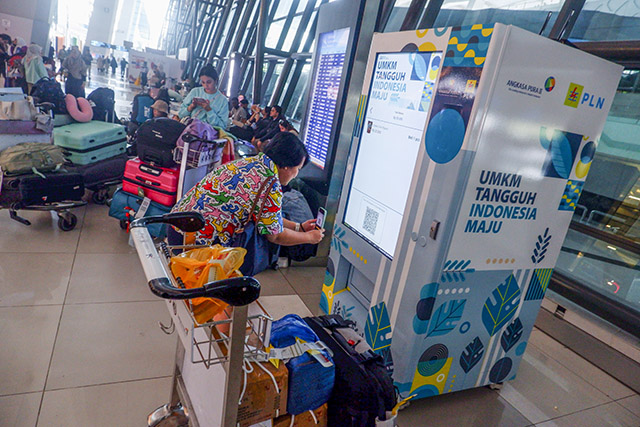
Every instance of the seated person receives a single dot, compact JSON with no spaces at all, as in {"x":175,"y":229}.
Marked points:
{"x":237,"y":115}
{"x":258,"y":118}
{"x":285,"y":126}
{"x":225,"y":203}
{"x":206,"y":103}
{"x":270,"y":129}
{"x":160,"y":109}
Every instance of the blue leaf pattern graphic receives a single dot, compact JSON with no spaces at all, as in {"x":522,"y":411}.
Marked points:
{"x":471,"y":355}
{"x":446,"y":317}
{"x":511,"y":335}
{"x":378,"y":328}
{"x":501,"y":306}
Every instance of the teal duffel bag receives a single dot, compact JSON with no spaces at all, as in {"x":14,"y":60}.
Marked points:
{"x":123,"y":203}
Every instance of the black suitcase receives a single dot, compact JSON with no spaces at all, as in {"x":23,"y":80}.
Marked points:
{"x":363,"y":389}
{"x":56,"y":187}
{"x":10,"y":193}
{"x":156,"y":140}
{"x":100,"y":174}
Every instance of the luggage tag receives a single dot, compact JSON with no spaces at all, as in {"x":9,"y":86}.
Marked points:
{"x":297,"y":349}
{"x":146,"y":202}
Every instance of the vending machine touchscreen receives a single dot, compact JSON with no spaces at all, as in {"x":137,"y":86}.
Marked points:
{"x":393,"y":125}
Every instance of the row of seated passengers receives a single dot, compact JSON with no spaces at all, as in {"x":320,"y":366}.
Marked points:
{"x":207,"y":104}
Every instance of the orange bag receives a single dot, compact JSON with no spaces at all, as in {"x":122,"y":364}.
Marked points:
{"x":198,"y":267}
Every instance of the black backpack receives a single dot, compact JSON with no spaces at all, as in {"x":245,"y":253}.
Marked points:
{"x":156,"y":139}
{"x":104,"y":100}
{"x":363,"y":388}
{"x":49,"y":90}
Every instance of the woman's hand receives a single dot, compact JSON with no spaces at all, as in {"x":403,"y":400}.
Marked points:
{"x":308,"y":225}
{"x":315,"y":236}
{"x":205,"y":104}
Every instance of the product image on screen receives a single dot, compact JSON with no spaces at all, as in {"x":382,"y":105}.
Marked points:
{"x":332,"y":47}
{"x":400,"y":95}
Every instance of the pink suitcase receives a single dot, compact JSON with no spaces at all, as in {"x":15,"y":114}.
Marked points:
{"x":158,"y":184}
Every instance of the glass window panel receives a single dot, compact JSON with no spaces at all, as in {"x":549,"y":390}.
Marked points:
{"x":610,"y":20}
{"x":610,"y":205}
{"x":526,"y":14}
{"x":295,"y":110}
{"x":398,"y":14}
{"x":273,"y":34}
{"x":302,"y":5}
{"x":271,"y":84}
{"x":307,"y":31}
{"x":283,"y":8}
{"x":288,"y":41}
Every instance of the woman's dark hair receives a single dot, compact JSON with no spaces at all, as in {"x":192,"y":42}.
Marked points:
{"x":277,"y":108}
{"x":267,"y":110}
{"x":286,"y":150}
{"x":163,"y":94}
{"x":209,"y":71}
{"x":285,"y":124}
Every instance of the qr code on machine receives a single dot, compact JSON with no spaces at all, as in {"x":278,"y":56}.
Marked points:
{"x":370,"y":220}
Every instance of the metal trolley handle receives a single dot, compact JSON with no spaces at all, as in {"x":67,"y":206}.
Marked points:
{"x":237,"y":291}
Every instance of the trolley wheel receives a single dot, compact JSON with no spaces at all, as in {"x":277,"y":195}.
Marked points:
{"x":100,"y":197}
{"x":124,"y":224}
{"x":67,"y":222}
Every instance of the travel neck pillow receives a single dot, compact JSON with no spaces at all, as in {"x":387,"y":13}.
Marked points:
{"x":79,"y":109}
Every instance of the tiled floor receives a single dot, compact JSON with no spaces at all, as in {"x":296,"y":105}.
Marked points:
{"x":81,"y":346}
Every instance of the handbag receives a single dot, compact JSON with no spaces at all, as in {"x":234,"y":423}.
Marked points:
{"x":23,"y":109}
{"x":260,"y":252}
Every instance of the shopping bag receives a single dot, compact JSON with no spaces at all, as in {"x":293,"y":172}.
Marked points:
{"x":197,"y":267}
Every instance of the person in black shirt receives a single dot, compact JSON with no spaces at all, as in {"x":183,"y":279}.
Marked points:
{"x":270,"y":130}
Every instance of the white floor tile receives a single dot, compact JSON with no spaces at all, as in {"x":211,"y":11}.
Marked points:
{"x":26,"y":336}
{"x":102,"y":234}
{"x":43,"y":235}
{"x":272,"y":282}
{"x":43,"y":282}
{"x":279,"y":306}
{"x":305,"y":280}
{"x":122,"y":404}
{"x":576,"y":364}
{"x":610,"y":414}
{"x":474,"y":407}
{"x":19,"y":410}
{"x":111,"y":342}
{"x":108,"y":278}
{"x":312,"y":301}
{"x":632,"y":403}
{"x":544,"y":389}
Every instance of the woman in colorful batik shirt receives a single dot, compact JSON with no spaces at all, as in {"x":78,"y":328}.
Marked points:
{"x":225,"y":196}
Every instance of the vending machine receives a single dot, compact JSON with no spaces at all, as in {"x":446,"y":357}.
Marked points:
{"x":469,"y":152}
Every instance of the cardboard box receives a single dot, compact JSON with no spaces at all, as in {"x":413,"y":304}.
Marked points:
{"x":261,"y":401}
{"x":305,"y":419}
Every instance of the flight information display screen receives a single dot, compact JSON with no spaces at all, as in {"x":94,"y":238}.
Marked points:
{"x":332,"y":47}
{"x":395,"y":118}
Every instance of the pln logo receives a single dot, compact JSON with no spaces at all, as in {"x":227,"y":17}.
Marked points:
{"x":576,"y":95}
{"x":573,"y":95}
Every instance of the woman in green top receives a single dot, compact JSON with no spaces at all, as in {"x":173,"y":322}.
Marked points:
{"x":34,"y":68}
{"x":206,"y":103}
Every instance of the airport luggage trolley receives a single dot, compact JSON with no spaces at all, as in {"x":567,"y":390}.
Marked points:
{"x":17,"y":131}
{"x":209,"y":354}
